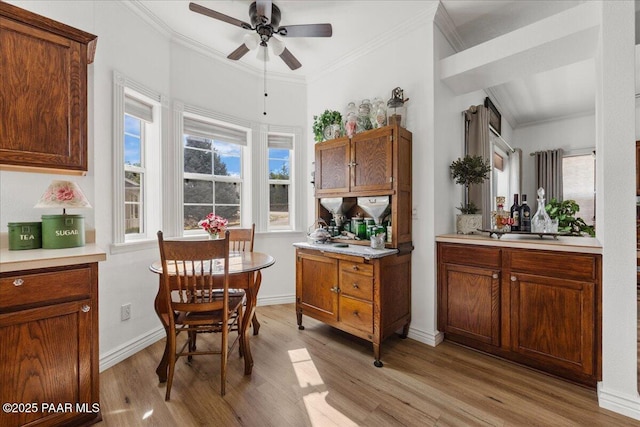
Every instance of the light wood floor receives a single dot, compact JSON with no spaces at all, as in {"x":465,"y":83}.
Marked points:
{"x":322,"y":377}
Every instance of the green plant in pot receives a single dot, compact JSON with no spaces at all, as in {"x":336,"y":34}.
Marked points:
{"x":327,"y":125}
{"x":568,"y":222}
{"x":468,"y":171}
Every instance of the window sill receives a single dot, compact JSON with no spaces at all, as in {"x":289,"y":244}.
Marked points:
{"x":133,"y":246}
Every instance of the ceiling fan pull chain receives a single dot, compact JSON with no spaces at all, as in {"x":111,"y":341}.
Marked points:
{"x":264,"y":113}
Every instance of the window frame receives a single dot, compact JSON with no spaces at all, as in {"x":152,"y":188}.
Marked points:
{"x":181,"y":112}
{"x":582,"y":153}
{"x":290,"y":182}
{"x":124,"y":87}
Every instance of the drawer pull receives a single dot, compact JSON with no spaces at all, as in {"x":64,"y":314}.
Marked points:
{"x":355,"y":268}
{"x":85,"y":308}
{"x":18,"y":282}
{"x":355,"y":286}
{"x":495,"y":275}
{"x":514,"y":278}
{"x":355,"y":313}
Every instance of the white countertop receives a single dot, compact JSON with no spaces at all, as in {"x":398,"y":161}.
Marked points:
{"x":356,"y":250}
{"x":30,"y":259}
{"x":583,"y":244}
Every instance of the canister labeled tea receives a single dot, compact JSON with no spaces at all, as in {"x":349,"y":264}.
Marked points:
{"x":25,"y":235}
{"x":62,"y":231}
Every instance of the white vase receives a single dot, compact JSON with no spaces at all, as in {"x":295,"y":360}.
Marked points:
{"x":468,"y":223}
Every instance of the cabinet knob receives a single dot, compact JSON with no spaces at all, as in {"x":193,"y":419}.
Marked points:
{"x":85,"y":308}
{"x":355,"y":313}
{"x":355,"y":268}
{"x":18,"y":282}
{"x":335,"y":289}
{"x":355,"y":286}
{"x":494,"y":275}
{"x":514,"y":278}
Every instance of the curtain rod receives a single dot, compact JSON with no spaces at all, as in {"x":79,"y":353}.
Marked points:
{"x":495,"y":132}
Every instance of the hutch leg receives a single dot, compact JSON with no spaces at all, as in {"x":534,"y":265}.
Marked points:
{"x":376,"y":355}
{"x":299,"y":316}
{"x":405,"y":331}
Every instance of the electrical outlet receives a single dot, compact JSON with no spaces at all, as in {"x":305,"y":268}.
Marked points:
{"x":125,"y":312}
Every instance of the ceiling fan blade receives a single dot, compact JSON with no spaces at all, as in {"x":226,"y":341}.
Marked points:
{"x":217,"y":15}
{"x":306,"y":30}
{"x":239,"y":52}
{"x":290,"y":60}
{"x":264,"y":9}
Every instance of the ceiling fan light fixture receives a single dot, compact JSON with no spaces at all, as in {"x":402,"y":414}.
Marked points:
{"x":251,"y":40}
{"x":263,"y":53}
{"x":277,"y":46}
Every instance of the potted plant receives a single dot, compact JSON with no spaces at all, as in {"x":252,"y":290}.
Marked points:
{"x":565,"y":213}
{"x":468,"y":171}
{"x":327,"y":125}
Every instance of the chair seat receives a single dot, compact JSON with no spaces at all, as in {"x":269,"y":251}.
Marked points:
{"x":209,"y":317}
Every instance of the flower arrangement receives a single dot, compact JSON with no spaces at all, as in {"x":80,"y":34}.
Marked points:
{"x":213,"y":224}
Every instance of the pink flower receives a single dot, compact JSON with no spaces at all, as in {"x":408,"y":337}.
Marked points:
{"x":213,"y":224}
{"x":64,"y":193}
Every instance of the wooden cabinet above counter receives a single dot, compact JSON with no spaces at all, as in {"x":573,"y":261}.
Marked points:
{"x":538,"y":304}
{"x":43,"y":92}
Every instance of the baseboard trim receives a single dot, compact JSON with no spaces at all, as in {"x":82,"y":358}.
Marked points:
{"x":130,"y":348}
{"x":279,"y":299}
{"x":623,"y":404}
{"x":426,"y":337}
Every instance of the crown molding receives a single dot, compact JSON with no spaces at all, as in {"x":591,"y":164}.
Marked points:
{"x":444,"y":22}
{"x":143,"y":12}
{"x":376,"y":43}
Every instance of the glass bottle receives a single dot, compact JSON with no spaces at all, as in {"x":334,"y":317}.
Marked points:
{"x":364,"y":121}
{"x":514,"y":213}
{"x":378,"y":114}
{"x":525,"y":215}
{"x":351,"y":116}
{"x":541,"y":222}
{"x":501,"y":216}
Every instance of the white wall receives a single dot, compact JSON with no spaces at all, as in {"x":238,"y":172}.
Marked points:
{"x":128,"y":44}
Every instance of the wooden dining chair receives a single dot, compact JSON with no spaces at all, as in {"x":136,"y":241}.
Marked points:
{"x":241,"y":240}
{"x":189,"y":285}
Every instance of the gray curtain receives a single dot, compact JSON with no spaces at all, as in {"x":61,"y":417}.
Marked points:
{"x":548,"y":166}
{"x":477,"y":144}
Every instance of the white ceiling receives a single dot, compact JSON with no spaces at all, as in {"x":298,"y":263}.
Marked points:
{"x":356,"y":24}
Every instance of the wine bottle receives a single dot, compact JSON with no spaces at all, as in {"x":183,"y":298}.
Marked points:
{"x":525,"y":215}
{"x":514,"y":212}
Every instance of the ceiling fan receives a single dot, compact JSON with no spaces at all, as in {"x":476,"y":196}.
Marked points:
{"x":265,"y":21}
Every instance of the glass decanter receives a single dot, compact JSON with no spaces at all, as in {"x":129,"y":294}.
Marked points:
{"x":541,"y":222}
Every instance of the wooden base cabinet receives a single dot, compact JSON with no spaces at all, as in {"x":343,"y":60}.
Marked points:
{"x":368,"y":298}
{"x":49,"y":351}
{"x":539,"y":308}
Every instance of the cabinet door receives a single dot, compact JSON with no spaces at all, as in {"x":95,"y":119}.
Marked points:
{"x":552,"y":321}
{"x":372,"y":160}
{"x":45,"y":358}
{"x":332,"y":166}
{"x":470,"y":303}
{"x":317,"y":286}
{"x":43,"y":98}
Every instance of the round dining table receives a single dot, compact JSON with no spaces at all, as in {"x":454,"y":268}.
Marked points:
{"x":244,"y":273}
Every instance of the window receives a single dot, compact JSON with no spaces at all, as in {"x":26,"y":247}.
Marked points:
{"x":578,"y":183}
{"x":213,"y":177}
{"x":280,"y":148}
{"x":136,"y":153}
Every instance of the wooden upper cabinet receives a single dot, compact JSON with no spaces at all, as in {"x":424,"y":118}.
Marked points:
{"x":360,"y":165}
{"x":372,"y":160}
{"x":43,"y":92}
{"x":332,"y":166}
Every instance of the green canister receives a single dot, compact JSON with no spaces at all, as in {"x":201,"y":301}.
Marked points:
{"x":62,"y":231}
{"x":24,"y":235}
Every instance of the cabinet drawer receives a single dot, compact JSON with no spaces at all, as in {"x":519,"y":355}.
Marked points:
{"x":357,"y":314}
{"x":356,"y":267}
{"x":27,"y":289}
{"x":356,"y":285}
{"x":470,"y":255}
{"x":554,"y":264}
